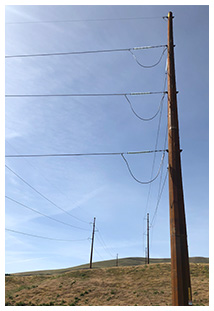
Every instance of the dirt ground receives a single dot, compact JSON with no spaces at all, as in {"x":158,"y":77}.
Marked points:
{"x":145,"y":285}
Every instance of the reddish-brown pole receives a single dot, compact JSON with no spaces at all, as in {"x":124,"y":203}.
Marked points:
{"x":180,"y":274}
{"x":92,"y":243}
{"x":147,"y":238}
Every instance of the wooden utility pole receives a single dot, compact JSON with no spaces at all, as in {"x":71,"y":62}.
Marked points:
{"x":147,"y":238}
{"x":180,"y":275}
{"x":92,"y":243}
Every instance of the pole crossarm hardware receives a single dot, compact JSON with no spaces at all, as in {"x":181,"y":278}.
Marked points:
{"x":180,"y":274}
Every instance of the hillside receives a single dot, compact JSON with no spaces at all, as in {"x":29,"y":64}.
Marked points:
{"x":124,"y":262}
{"x":142,"y":285}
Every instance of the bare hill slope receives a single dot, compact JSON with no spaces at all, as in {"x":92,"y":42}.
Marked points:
{"x":142,"y":285}
{"x":129,"y":261}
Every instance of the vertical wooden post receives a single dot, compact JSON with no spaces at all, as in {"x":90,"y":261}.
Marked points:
{"x":181,"y":287}
{"x":147,"y":238}
{"x":92,"y":243}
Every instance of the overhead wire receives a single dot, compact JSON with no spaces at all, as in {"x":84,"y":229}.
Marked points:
{"x":159,"y":198}
{"x":80,"y":154}
{"x":125,"y":94}
{"x":104,"y":244}
{"x":42,"y":195}
{"x":42,"y":214}
{"x":87,"y":20}
{"x":148,"y":66}
{"x":88,"y":52}
{"x":161,"y":187}
{"x":43,"y":237}
{"x":160,"y":191}
{"x":47,"y":180}
{"x":156,"y":144}
{"x":95,"y":250}
{"x":144,"y":182}
{"x":82,"y":95}
{"x":139,"y":117}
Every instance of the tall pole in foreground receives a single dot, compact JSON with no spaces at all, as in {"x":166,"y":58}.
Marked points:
{"x":147,"y":238}
{"x":180,"y":275}
{"x":92,"y":243}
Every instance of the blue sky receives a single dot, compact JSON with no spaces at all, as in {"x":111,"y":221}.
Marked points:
{"x":101,"y":186}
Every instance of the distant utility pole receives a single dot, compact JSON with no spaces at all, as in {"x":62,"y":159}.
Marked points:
{"x":147,"y":238}
{"x":117,"y":261}
{"x":181,"y":287}
{"x":92,"y":243}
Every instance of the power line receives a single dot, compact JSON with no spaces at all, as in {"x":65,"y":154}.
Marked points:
{"x":88,"y":52}
{"x":148,"y":66}
{"x":165,"y":141}
{"x":144,"y":182}
{"x":156,"y":142}
{"x":80,"y":154}
{"x":160,"y":189}
{"x":83,"y":95}
{"x":161,"y":185}
{"x":42,"y":195}
{"x":145,"y":119}
{"x":59,"y":221}
{"x":44,"y":176}
{"x":100,"y":238}
{"x":96,"y":250}
{"x":159,"y":198}
{"x":86,"y":20}
{"x":43,"y":237}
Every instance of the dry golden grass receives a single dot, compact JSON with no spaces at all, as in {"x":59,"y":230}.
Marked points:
{"x":144,"y":285}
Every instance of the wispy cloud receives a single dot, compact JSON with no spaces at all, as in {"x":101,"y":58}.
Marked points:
{"x":87,"y":197}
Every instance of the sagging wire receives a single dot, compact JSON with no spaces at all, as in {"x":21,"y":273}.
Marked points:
{"x":43,"y":237}
{"x":100,"y":238}
{"x":145,"y":119}
{"x":159,"y":197}
{"x":157,"y":138}
{"x":43,"y":196}
{"x":87,"y":20}
{"x":139,"y":181}
{"x":84,"y":52}
{"x":35,"y":211}
{"x":148,"y":66}
{"x":95,"y":250}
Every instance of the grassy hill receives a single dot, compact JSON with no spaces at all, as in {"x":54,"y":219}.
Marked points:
{"x":129,"y":261}
{"x":130,"y":285}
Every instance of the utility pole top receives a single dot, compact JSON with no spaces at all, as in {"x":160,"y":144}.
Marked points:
{"x":170,"y":15}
